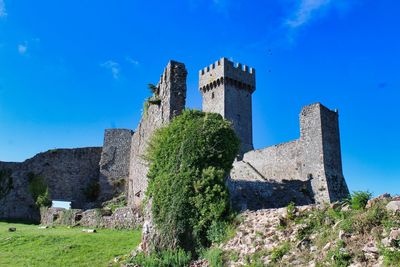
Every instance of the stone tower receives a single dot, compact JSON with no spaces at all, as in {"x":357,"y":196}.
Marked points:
{"x":227,"y":89}
{"x":321,"y":153}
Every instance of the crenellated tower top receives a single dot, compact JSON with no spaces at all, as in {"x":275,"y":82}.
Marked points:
{"x":225,"y":71}
{"x":226,"y":89}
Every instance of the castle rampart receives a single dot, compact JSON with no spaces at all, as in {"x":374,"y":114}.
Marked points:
{"x":304,"y":171}
{"x":172,"y":98}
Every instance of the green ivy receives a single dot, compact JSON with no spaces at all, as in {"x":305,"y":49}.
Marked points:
{"x":39,"y":190}
{"x":189,"y":161}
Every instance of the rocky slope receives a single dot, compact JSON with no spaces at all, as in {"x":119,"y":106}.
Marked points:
{"x":334,"y":235}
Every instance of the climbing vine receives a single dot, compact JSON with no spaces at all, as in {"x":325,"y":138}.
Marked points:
{"x":39,"y":190}
{"x":189,"y":161}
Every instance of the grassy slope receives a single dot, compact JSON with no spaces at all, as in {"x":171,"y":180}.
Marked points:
{"x":61,"y":246}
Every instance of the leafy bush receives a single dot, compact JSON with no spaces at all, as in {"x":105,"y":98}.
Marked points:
{"x":359,"y":199}
{"x":115,"y":203}
{"x":339,"y":256}
{"x":214,"y":256}
{"x":220,"y":232}
{"x":291,"y":210}
{"x":189,"y":161}
{"x":44,"y":200}
{"x":280,"y":251}
{"x":166,"y":258}
{"x":390,"y":257}
{"x":39,"y":190}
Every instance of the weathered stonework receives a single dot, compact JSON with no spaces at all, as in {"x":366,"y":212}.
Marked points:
{"x":114,"y":163}
{"x":121,"y":218}
{"x":226,"y":89}
{"x":67,"y":172}
{"x":305,"y":171}
{"x":172,"y":97}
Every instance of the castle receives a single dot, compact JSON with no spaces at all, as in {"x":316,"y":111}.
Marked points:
{"x":307,"y":170}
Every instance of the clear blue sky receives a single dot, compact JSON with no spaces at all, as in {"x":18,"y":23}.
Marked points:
{"x":70,"y":69}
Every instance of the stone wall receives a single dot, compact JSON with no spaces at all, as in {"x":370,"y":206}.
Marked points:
{"x":319,"y":134}
{"x":16,"y":203}
{"x":307,"y":170}
{"x":67,"y":172}
{"x":121,"y":218}
{"x":114,"y":162}
{"x":172,"y":96}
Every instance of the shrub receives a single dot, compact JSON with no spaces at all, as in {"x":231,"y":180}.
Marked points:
{"x":339,"y":256}
{"x":280,"y":251}
{"x":214,"y":256}
{"x":359,"y":199}
{"x":291,"y":210}
{"x":189,"y":161}
{"x":390,"y":257}
{"x":166,"y":258}
{"x":39,"y":190}
{"x":44,"y":199}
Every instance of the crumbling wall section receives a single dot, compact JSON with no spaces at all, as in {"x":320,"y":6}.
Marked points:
{"x":278,"y":162}
{"x":307,"y":170}
{"x":67,"y":172}
{"x":171,"y":97}
{"x":114,"y":163}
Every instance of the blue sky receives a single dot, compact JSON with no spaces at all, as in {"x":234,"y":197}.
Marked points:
{"x":70,"y":69}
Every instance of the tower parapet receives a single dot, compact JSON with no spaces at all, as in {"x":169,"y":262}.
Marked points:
{"x":226,"y":89}
{"x":224,"y":70}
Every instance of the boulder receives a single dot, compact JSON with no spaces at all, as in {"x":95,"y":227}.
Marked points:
{"x":393,"y":206}
{"x":375,"y":200}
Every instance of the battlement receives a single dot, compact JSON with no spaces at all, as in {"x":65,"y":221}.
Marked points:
{"x":226,"y":71}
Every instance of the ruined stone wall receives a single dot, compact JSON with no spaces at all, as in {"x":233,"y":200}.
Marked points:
{"x":307,"y":170}
{"x":320,"y":138}
{"x":114,"y":162}
{"x":67,"y":172}
{"x":15,"y":200}
{"x":278,"y":162}
{"x":172,"y":96}
{"x":121,"y":218}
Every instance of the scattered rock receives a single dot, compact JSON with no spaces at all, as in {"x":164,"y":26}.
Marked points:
{"x":43,"y":227}
{"x":346,"y":208}
{"x":393,"y":206}
{"x":327,"y":246}
{"x":199,"y":263}
{"x":342,"y":234}
{"x":89,"y":230}
{"x":375,"y":200}
{"x":395,"y":234}
{"x":335,"y":205}
{"x":12,"y":229}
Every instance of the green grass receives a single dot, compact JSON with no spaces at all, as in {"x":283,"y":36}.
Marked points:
{"x":62,"y":246}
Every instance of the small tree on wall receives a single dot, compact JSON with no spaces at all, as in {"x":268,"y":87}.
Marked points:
{"x":189,"y":160}
{"x":39,"y":190}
